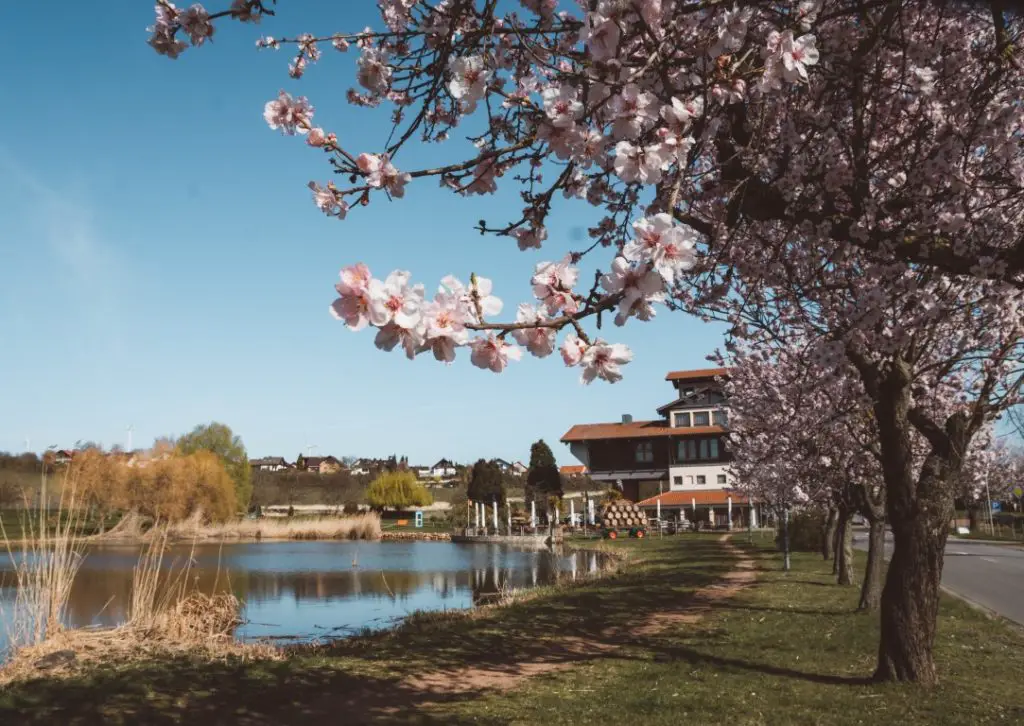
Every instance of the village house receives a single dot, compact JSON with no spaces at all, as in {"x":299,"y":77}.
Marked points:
{"x":318,"y":464}
{"x":63,"y":456}
{"x":676,"y":464}
{"x":443,"y":469}
{"x":270,"y":463}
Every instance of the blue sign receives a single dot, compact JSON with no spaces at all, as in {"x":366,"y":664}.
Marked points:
{"x":419,"y":519}
{"x":997,"y":506}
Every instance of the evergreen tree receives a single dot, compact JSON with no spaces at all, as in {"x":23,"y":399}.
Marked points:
{"x":542,"y":479}
{"x":486,"y":483}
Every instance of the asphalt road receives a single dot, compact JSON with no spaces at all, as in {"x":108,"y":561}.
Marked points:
{"x":990,"y":575}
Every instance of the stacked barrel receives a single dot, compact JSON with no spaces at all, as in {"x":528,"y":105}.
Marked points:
{"x":622,"y":515}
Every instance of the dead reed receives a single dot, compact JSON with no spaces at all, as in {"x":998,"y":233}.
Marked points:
{"x":360,"y":526}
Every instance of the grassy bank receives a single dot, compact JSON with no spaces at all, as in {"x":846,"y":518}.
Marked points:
{"x":790,"y":650}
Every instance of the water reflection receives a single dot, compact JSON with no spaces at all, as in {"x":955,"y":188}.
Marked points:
{"x":310,"y":589}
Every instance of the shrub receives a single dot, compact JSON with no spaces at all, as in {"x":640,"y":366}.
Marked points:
{"x":806,"y":531}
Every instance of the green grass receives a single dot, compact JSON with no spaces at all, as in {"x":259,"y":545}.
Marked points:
{"x":789,"y":651}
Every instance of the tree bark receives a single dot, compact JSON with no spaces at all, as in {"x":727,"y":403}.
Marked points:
{"x":827,"y":544}
{"x":871,"y":588}
{"x":844,"y":553}
{"x":785,"y":540}
{"x":837,"y":542}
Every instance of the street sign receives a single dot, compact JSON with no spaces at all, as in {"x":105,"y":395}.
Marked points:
{"x":997,"y":506}
{"x":419,"y":520}
{"x":1018,"y":492}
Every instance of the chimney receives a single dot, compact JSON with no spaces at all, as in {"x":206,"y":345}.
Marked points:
{"x":627,"y":418}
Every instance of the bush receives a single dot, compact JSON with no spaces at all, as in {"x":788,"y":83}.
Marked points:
{"x":806,"y":531}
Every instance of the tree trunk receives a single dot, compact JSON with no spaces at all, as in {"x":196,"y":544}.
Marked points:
{"x":785,"y":540}
{"x":837,"y":541}
{"x":871,"y":588}
{"x":844,"y":553}
{"x":974,"y":517}
{"x":828,"y":542}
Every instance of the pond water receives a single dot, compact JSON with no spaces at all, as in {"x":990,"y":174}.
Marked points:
{"x":295,"y":591}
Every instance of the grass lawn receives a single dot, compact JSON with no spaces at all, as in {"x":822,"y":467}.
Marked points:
{"x":788,"y":651}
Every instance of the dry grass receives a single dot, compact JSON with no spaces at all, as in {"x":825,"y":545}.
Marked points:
{"x":44,"y":566}
{"x":360,"y":526}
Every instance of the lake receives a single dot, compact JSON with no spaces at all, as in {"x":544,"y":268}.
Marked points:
{"x":296,"y":591}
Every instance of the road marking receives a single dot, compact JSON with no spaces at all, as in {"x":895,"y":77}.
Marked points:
{"x":988,"y":559}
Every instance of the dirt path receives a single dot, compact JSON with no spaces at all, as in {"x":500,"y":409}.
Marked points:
{"x":437,"y":687}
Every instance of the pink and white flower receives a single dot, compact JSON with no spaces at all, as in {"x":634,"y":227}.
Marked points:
{"x":196,"y":22}
{"x":603,"y":360}
{"x":639,"y":164}
{"x":374,"y":74}
{"x":329,"y":200}
{"x":667,"y":246}
{"x":635,"y":111}
{"x":552,"y":284}
{"x":445,"y":326}
{"x":601,"y":36}
{"x":788,"y":59}
{"x":353,"y":305}
{"x":291,"y":115}
{"x":529,"y":237}
{"x":394,"y":300}
{"x":493,"y":353}
{"x":562,"y":105}
{"x":382,"y":174}
{"x":639,"y":286}
{"x":539,"y":341}
{"x":392,"y":335}
{"x":573,"y":349}
{"x":490,"y":305}
{"x":469,"y":79}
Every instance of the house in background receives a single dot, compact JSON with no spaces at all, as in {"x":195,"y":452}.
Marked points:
{"x":678,"y":460}
{"x":443,"y":469}
{"x":63,"y":456}
{"x":519,"y":469}
{"x":269,"y":463}
{"x":318,"y":464}
{"x":573,"y":471}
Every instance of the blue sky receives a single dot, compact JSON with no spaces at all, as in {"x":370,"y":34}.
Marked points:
{"x":162,"y":264}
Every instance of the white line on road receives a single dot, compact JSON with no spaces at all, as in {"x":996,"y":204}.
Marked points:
{"x":988,"y":559}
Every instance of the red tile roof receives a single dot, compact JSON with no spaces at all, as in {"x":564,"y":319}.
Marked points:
{"x":696,"y":374}
{"x":686,"y":498}
{"x":634,"y":430}
{"x":573,"y":470}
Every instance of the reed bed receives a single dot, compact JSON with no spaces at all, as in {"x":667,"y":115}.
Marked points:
{"x":360,"y":526}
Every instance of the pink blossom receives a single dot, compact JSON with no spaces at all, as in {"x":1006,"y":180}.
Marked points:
{"x":374,"y":73}
{"x":242,"y":10}
{"x":196,"y":22}
{"x":561,"y":105}
{"x":381,"y":173}
{"x":539,"y":341}
{"x":493,"y":353}
{"x":635,"y":111}
{"x":573,"y":349}
{"x":353,"y":310}
{"x":355,"y":280}
{"x":316,"y":137}
{"x":469,"y":80}
{"x":788,"y":59}
{"x":601,"y":36}
{"x":529,"y":237}
{"x":340,"y":43}
{"x":329,"y":200}
{"x":445,"y":328}
{"x":489,"y":304}
{"x":668,"y":246}
{"x":639,"y":287}
{"x":392,"y":335}
{"x":291,"y":115}
{"x":639,"y":164}
{"x":162,"y":39}
{"x":394,"y":300}
{"x":552,"y":284}
{"x":732,"y":30}
{"x":602,"y":360}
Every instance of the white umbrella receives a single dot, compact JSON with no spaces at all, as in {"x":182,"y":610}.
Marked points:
{"x":572,"y":512}
{"x":533,"y":513}
{"x":659,"y":509}
{"x":495,"y":516}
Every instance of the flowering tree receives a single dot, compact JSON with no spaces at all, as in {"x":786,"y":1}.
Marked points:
{"x":845,"y":168}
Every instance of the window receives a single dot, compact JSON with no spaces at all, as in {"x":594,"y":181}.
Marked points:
{"x":721,"y":478}
{"x":701,"y":418}
{"x":645,"y":452}
{"x":689,"y":481}
{"x":677,"y":482}
{"x":682,"y":419}
{"x":713,"y":443}
{"x":703,"y":448}
{"x":701,"y":479}
{"x":720,"y":418}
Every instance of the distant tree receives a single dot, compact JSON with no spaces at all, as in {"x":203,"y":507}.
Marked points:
{"x":486,"y":483}
{"x":397,"y":490}
{"x":542,"y":479}
{"x":219,"y":439}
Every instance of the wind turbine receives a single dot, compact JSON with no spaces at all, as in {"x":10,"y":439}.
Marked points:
{"x":28,"y":445}
{"x":129,"y":428}
{"x":310,"y":447}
